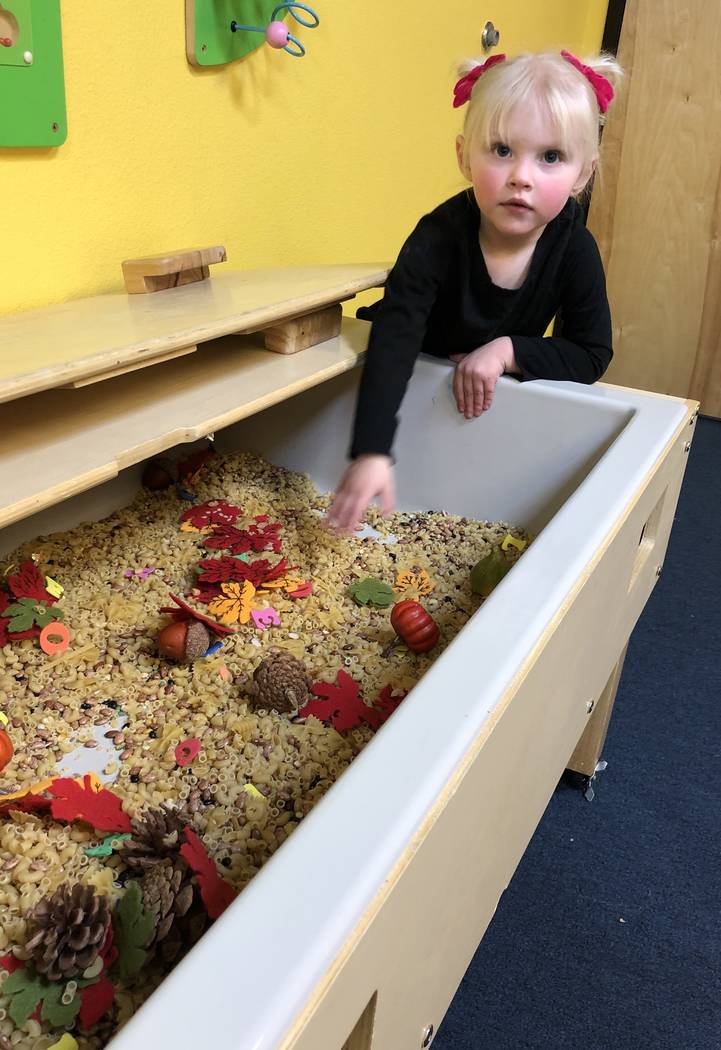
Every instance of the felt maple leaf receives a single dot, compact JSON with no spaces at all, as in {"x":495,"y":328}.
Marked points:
{"x":25,"y":990}
{"x":29,"y":582}
{"x":11,"y":963}
{"x":342,"y":704}
{"x":186,"y":612}
{"x":27,"y":613}
{"x":235,"y":607}
{"x":216,"y":893}
{"x":228,"y":537}
{"x":223,"y":570}
{"x":102,"y":808}
{"x":266,"y":538}
{"x":372,"y":592}
{"x":55,"y":1011}
{"x":386,"y":703}
{"x":5,"y":635}
{"x":133,"y":928}
{"x":416,"y":581}
{"x":214,"y":512}
{"x":95,"y":1001}
{"x":303,"y":590}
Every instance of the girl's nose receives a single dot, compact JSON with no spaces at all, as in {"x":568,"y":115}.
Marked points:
{"x":520,"y":174}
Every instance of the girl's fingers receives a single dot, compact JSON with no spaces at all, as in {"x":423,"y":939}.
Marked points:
{"x":469,"y":394}
{"x":458,"y":389}
{"x":488,"y":397}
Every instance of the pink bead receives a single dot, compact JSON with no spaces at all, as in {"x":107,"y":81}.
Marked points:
{"x":277,"y":34}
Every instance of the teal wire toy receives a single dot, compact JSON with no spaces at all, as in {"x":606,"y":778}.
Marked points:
{"x":277,"y":33}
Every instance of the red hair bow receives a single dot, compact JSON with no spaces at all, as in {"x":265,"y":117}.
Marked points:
{"x":601,"y":86}
{"x":463,"y":88}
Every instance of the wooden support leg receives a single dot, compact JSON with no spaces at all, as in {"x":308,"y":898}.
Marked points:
{"x":305,"y":331}
{"x":588,"y":749}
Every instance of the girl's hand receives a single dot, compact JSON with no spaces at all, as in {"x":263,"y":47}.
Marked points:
{"x":476,"y":375}
{"x":368,"y":477}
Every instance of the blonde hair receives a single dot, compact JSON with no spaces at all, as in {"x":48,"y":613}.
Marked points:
{"x":550,"y":79}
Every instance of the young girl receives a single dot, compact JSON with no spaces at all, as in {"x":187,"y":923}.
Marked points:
{"x":482,"y":276}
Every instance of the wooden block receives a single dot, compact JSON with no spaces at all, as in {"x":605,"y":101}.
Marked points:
{"x":155,"y":273}
{"x":146,"y":362}
{"x":305,"y":331}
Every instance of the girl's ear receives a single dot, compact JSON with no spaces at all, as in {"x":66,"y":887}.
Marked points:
{"x":585,"y":176}
{"x":460,"y":157}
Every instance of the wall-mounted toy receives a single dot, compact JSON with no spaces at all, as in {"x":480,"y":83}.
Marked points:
{"x":276,"y":33}
{"x":221,"y":31}
{"x":6,"y":745}
{"x":31,"y":74}
{"x":414,"y":626}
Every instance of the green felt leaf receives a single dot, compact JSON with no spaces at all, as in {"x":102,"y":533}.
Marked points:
{"x":29,"y":612}
{"x":55,"y":1011}
{"x":488,"y":572}
{"x":25,"y":991}
{"x":371,"y":592}
{"x":105,"y":848}
{"x":133,"y":928}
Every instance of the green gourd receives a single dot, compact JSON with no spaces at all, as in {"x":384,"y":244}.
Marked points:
{"x":488,"y":572}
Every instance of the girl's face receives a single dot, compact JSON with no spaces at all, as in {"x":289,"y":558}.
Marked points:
{"x":522,"y":182}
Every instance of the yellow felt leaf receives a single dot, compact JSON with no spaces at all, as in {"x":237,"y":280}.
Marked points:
{"x":235,"y":607}
{"x":271,"y":585}
{"x":511,"y":541}
{"x":418,"y":582}
{"x":53,"y":587}
{"x":189,"y":527}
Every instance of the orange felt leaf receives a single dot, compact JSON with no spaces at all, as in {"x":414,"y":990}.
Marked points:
{"x":235,"y":607}
{"x":272,"y":585}
{"x":188,"y":526}
{"x":419,"y":582}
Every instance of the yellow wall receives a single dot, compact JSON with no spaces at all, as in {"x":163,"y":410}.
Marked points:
{"x":329,"y":158}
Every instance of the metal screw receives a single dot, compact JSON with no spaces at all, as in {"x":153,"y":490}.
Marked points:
{"x":28,"y":58}
{"x":55,"y":126}
{"x":428,"y":1034}
{"x":490,"y":36}
{"x":687,"y":447}
{"x":658,"y":570}
{"x":590,"y":706}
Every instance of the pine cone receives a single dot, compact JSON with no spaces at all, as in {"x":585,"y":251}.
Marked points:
{"x":72,"y":925}
{"x":157,"y":837}
{"x":281,"y":682}
{"x":168,"y":895}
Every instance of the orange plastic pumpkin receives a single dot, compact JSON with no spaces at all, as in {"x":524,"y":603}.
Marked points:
{"x":6,"y":749}
{"x":414,"y":626}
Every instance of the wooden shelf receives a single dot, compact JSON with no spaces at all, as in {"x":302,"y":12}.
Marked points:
{"x":104,"y":334}
{"x":61,"y":442}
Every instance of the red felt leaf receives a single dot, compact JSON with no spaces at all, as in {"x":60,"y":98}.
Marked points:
{"x":185,"y":612}
{"x":216,"y":893}
{"x":321,"y":709}
{"x":102,"y":809}
{"x":29,"y":582}
{"x":228,"y":537}
{"x":109,"y":953}
{"x":345,"y":708}
{"x":263,"y":539}
{"x":305,"y":589}
{"x":226,"y":569}
{"x":214,"y":512}
{"x":95,"y":1001}
{"x":25,"y":804}
{"x":386,"y":703}
{"x":10,"y":963}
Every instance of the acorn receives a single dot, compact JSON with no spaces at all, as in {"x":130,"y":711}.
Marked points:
{"x":183,"y":640}
{"x":160,"y":473}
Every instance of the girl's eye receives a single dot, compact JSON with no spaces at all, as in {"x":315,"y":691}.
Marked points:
{"x":501,"y":150}
{"x":552,"y":156}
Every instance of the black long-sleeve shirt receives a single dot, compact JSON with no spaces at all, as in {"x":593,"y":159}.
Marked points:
{"x":439,"y":299}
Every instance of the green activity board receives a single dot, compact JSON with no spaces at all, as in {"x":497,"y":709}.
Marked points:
{"x":210,"y":41}
{"x":32,"y":85}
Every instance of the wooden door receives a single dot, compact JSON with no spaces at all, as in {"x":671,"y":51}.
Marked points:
{"x":656,"y":209}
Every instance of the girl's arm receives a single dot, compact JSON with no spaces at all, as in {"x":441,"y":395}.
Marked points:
{"x":396,"y":338}
{"x":582,"y":351}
